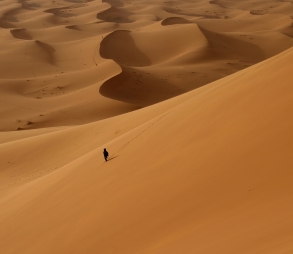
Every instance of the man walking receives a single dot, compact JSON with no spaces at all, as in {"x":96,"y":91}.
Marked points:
{"x":105,"y":152}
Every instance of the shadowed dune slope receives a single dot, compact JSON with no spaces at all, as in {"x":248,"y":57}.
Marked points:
{"x":167,"y":43}
{"x":192,"y":99}
{"x":164,"y":61}
{"x":69,"y":62}
{"x":206,"y":172}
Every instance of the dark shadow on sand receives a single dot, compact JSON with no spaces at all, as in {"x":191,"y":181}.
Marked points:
{"x":112,"y":158}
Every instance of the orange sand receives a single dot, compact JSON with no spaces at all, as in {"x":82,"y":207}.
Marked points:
{"x":193,"y":101}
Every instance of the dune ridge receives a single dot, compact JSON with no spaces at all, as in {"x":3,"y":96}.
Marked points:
{"x":201,"y":189}
{"x":234,"y":39}
{"x":192,"y":100}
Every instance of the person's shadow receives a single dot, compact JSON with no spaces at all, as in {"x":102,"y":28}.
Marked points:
{"x":111,"y":158}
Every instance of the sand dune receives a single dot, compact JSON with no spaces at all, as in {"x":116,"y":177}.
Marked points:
{"x":21,"y":34}
{"x":141,"y":196}
{"x":160,"y":50}
{"x":192,"y":100}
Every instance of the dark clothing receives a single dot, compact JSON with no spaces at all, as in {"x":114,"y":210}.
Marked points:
{"x":105,"y":154}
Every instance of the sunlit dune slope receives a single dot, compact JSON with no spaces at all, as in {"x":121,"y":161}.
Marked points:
{"x":71,"y":62}
{"x":50,"y":72}
{"x":206,"y":172}
{"x":172,"y":47}
{"x":192,"y":45}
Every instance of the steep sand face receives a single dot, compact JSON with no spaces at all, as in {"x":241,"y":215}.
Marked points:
{"x":51,"y":74}
{"x":207,"y":171}
{"x":77,"y":58}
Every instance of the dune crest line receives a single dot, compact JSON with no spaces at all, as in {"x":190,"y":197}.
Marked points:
{"x":193,"y":101}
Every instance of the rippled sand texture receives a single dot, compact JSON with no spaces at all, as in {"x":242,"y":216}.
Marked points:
{"x":75,"y":62}
{"x":192,"y":99}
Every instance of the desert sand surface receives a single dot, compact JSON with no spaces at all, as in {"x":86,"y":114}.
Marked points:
{"x":192,"y":99}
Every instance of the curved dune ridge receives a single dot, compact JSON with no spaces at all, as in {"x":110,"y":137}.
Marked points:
{"x":156,"y":51}
{"x":200,"y":145}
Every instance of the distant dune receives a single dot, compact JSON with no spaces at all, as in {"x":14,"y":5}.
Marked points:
{"x":193,"y":101}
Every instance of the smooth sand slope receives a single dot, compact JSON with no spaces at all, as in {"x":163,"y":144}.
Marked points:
{"x":206,"y":172}
{"x":195,"y":166}
{"x":67,"y":63}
